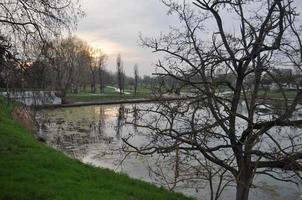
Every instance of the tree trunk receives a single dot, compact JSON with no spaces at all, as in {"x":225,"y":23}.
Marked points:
{"x":93,"y":83}
{"x":101,"y":80}
{"x":63,"y":96}
{"x":244,"y":184}
{"x":242,"y":191}
{"x":135,"y":87}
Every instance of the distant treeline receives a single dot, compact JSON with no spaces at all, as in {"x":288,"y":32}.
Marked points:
{"x":66,"y":65}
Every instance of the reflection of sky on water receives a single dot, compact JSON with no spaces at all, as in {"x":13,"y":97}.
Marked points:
{"x":94,"y":135}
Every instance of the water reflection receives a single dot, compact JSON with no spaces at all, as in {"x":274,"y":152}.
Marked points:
{"x":120,"y":121}
{"x":135,"y":118}
{"x":101,"y":125}
{"x":93,"y":135}
{"x":74,"y":130}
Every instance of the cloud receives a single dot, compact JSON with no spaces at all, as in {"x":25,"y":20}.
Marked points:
{"x":114,"y":26}
{"x":109,"y":46}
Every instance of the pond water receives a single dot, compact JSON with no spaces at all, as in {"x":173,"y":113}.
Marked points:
{"x":94,"y":135}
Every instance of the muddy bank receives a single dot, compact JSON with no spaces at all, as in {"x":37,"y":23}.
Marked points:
{"x":25,"y":116}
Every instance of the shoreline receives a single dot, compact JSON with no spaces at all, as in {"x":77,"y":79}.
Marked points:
{"x":109,"y":102}
{"x":130,"y":101}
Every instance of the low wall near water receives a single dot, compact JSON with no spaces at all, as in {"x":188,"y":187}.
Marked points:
{"x":34,"y":98}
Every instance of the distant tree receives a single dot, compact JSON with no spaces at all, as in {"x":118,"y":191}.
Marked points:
{"x":5,"y":56}
{"x":120,"y":74}
{"x":284,"y":76}
{"x":81,"y":65}
{"x":147,"y":81}
{"x":37,"y":75}
{"x":68,"y":60}
{"x":136,"y":77}
{"x":93,"y":66}
{"x":102,"y":58}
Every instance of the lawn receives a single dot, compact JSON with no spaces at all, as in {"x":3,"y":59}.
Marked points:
{"x":290,"y":94}
{"x":269,"y":94}
{"x":109,"y":94}
{"x":31,"y":170}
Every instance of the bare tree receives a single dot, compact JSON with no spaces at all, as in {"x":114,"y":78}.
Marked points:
{"x":67,"y":60}
{"x":136,"y":77}
{"x":225,"y":125}
{"x":102,"y":58}
{"x":120,"y":74}
{"x":81,"y":64}
{"x":4,"y":58}
{"x":93,"y":69}
{"x":30,"y":23}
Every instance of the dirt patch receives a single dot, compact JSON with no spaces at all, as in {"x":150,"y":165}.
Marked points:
{"x":25,"y":117}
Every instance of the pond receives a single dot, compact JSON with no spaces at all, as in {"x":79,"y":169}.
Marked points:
{"x":94,"y":135}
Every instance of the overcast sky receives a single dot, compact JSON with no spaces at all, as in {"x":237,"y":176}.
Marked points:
{"x":115,"y":25}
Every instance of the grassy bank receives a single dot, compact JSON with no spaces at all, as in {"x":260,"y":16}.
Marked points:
{"x":30,"y":170}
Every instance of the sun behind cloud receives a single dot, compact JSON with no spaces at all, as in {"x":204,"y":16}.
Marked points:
{"x":108,"y":46}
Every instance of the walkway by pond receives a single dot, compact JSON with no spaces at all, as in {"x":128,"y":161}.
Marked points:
{"x":111,"y":102}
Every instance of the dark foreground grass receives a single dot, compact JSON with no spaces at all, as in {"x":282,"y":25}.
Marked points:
{"x":30,"y":170}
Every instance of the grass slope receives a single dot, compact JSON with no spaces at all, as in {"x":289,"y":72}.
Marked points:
{"x":31,"y":170}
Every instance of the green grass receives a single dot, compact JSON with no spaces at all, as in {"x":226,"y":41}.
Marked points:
{"x":271,"y":94}
{"x":109,"y":94}
{"x":31,"y":170}
{"x":290,"y":94}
